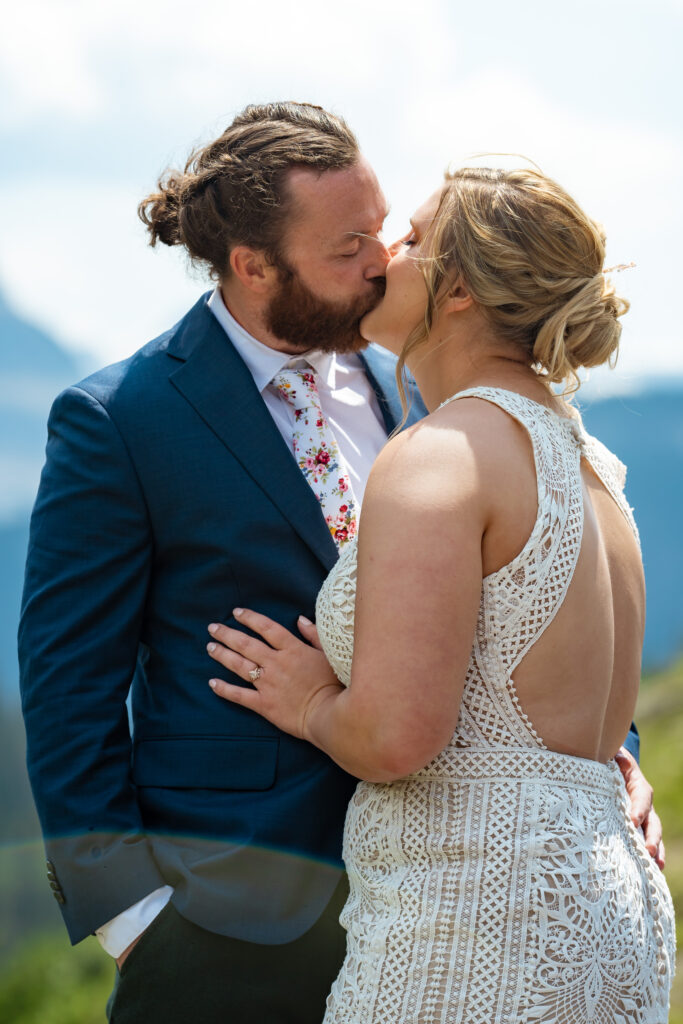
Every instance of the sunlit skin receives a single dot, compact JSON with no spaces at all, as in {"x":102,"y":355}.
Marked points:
{"x":332,"y":239}
{"x":405,"y":298}
{"x":454,"y":498}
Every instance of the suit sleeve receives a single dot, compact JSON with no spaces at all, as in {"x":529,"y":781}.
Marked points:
{"x":632,"y":742}
{"x":86,"y":581}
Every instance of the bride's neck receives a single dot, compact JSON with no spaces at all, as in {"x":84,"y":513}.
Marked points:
{"x":444,"y":367}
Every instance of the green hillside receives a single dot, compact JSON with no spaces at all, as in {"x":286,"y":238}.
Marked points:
{"x":660,"y":720}
{"x":44,"y":981}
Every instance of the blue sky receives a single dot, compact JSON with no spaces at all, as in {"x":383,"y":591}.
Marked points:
{"x":97,"y":98}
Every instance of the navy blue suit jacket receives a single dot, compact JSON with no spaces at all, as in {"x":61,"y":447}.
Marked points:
{"x":168,"y":498}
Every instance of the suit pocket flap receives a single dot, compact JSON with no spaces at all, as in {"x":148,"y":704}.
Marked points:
{"x":206,"y":762}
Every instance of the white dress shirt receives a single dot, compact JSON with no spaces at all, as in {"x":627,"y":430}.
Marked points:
{"x":347,"y":397}
{"x":350,"y":406}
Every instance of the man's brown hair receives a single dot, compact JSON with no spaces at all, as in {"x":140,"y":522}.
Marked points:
{"x":233,"y":190}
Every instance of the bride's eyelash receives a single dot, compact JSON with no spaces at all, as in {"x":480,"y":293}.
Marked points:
{"x":408,"y":241}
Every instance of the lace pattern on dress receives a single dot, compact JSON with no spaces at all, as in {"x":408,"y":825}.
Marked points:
{"x":520,"y":600}
{"x":334,"y":612}
{"x":503,"y":882}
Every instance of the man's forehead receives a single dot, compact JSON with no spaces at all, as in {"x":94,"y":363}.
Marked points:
{"x":347,"y":200}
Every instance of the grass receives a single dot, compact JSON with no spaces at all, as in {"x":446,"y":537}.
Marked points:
{"x":660,"y":722}
{"x":47,"y":981}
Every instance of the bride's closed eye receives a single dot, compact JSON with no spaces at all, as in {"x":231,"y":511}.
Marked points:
{"x":408,"y":241}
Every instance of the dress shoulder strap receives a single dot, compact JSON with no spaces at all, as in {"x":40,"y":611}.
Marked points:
{"x":612,"y":473}
{"x":521,"y":408}
{"x":521,"y":599}
{"x":605,"y":464}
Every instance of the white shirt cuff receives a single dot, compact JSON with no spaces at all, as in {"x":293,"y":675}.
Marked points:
{"x":117,"y":934}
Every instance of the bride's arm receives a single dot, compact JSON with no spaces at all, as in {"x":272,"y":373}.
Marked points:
{"x":418,"y":591}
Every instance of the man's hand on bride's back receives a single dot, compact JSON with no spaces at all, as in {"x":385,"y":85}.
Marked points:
{"x":643,"y":814}
{"x":288,"y":676}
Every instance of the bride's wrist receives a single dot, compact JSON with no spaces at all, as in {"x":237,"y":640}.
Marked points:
{"x":316,"y":710}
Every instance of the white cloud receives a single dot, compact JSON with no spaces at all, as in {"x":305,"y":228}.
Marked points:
{"x":79,"y":58}
{"x":615,"y":167}
{"x":82,"y":269}
{"x":44,"y":60}
{"x":84,"y":272}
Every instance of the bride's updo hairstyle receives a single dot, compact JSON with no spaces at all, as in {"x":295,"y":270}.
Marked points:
{"x":533,"y":262}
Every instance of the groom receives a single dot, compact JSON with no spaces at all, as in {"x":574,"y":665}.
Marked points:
{"x":204,"y":850}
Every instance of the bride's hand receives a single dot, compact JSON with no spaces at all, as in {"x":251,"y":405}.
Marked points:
{"x":288,"y":678}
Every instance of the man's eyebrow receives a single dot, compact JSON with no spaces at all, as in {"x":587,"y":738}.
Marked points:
{"x":364,"y":234}
{"x":360,"y":234}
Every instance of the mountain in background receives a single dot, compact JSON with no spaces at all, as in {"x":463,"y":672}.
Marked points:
{"x":645,"y":430}
{"x":26,"y":349}
{"x":34,"y":369}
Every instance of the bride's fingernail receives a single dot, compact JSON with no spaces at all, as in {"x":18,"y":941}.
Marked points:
{"x":213,"y":628}
{"x":306,"y":622}
{"x":237,"y":611}
{"x":213,"y":683}
{"x":211,"y":647}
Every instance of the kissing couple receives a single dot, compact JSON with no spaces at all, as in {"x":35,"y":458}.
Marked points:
{"x":453,"y":674}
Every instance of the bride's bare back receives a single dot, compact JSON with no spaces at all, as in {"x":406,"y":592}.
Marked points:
{"x":578,"y":682}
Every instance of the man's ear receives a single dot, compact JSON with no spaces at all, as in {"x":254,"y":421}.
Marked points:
{"x":458,"y":297}
{"x":253,"y":269}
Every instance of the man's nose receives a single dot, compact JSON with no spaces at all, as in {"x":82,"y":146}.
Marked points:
{"x":380,"y":257}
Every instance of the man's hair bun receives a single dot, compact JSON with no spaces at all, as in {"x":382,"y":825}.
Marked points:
{"x":233,"y":191}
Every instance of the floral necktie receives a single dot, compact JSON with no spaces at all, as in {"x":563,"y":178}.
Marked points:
{"x":317,"y":452}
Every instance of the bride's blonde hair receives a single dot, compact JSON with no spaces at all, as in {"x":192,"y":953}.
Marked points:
{"x":533,"y":262}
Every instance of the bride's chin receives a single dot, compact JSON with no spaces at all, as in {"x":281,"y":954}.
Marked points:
{"x":366,"y":327}
{"x":374,"y":335}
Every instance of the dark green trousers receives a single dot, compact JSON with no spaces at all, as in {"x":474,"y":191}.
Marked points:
{"x":181,"y":974}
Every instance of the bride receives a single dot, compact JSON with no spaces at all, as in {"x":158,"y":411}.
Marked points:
{"x":483,"y":674}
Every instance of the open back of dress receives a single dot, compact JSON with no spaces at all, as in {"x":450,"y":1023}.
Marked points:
{"x":503,"y":882}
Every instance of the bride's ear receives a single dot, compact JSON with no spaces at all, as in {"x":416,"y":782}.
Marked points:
{"x":458,"y":297}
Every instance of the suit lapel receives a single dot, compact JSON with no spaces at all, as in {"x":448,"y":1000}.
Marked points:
{"x":215,"y":381}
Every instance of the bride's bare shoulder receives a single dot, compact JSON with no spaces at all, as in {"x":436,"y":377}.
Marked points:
{"x":473,"y":438}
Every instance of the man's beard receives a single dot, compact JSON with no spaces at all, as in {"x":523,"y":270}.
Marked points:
{"x":298,"y":316}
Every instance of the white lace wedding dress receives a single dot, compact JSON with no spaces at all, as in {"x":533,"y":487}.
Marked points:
{"x":502,"y":882}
